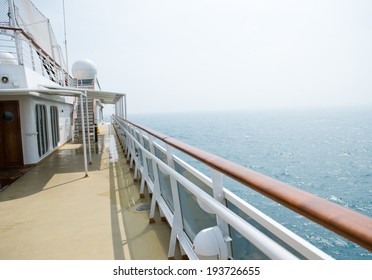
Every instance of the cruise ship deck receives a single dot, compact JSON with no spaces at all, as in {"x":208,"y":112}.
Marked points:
{"x":55,"y":212}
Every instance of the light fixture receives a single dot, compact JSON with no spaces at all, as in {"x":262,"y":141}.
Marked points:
{"x":5,"y":79}
{"x":210,"y":243}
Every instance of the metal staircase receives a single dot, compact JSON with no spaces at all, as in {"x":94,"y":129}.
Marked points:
{"x":78,"y":133}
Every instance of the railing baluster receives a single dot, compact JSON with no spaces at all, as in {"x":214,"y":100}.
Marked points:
{"x":136,"y":156}
{"x":177,"y":226}
{"x":156,"y":192}
{"x":145,"y":172}
{"x":218,"y":194}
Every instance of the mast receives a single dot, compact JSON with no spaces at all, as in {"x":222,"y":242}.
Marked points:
{"x":65,"y":34}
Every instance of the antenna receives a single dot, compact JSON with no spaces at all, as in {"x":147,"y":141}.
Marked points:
{"x":65,"y":33}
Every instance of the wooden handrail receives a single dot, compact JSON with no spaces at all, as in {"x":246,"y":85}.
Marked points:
{"x":341,"y":220}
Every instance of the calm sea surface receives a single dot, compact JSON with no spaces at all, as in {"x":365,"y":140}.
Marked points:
{"x":327,"y":152}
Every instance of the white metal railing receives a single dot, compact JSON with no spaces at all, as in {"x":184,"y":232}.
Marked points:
{"x":191,"y":201}
{"x":26,"y":51}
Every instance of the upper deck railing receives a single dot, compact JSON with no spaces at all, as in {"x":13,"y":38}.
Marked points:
{"x":24,"y":49}
{"x":192,"y":202}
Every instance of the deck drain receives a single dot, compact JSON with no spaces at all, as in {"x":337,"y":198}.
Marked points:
{"x":143,"y":207}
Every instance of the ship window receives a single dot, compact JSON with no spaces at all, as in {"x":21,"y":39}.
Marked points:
{"x":54,"y":121}
{"x":41,"y":128}
{"x":8,"y":116}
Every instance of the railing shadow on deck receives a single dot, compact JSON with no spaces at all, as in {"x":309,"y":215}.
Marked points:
{"x":129,"y":239}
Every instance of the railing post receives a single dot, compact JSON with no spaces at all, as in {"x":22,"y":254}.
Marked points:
{"x":130,"y":150}
{"x":156,"y":192}
{"x":177,"y":218}
{"x":125,"y":106}
{"x":134,"y":158}
{"x":32,"y":56}
{"x":137,"y":159}
{"x":42,"y":63}
{"x":126,"y":139}
{"x":218,"y":194}
{"x":145,"y":172}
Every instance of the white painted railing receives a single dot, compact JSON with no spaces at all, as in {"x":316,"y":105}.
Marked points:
{"x":25,"y":51}
{"x":190,"y":202}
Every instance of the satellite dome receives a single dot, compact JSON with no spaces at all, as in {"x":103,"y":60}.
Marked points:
{"x":84,"y":69}
{"x":7,"y":58}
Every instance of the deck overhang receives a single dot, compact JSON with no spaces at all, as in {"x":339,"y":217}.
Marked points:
{"x":105,"y":97}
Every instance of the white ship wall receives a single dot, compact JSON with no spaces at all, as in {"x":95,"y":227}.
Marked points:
{"x":16,"y":75}
{"x":21,"y":77}
{"x":28,"y":124}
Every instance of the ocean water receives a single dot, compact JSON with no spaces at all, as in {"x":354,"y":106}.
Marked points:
{"x":327,"y":152}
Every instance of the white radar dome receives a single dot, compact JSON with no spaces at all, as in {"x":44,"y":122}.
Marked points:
{"x":7,"y":58}
{"x":84,"y":69}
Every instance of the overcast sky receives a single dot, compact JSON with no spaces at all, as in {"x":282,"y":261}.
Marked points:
{"x":187,"y":55}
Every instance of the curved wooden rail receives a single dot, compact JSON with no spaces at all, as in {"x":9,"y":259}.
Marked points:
{"x":341,"y":220}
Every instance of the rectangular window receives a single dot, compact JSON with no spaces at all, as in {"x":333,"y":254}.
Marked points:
{"x":41,"y":128}
{"x":54,"y":121}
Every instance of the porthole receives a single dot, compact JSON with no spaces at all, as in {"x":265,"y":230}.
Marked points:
{"x":8,"y":116}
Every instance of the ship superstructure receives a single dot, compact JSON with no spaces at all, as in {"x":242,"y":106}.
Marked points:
{"x":41,"y":104}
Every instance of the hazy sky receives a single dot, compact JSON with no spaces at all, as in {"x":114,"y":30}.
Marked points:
{"x":184,"y":55}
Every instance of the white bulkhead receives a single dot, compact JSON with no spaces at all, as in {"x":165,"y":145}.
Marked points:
{"x":21,"y":77}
